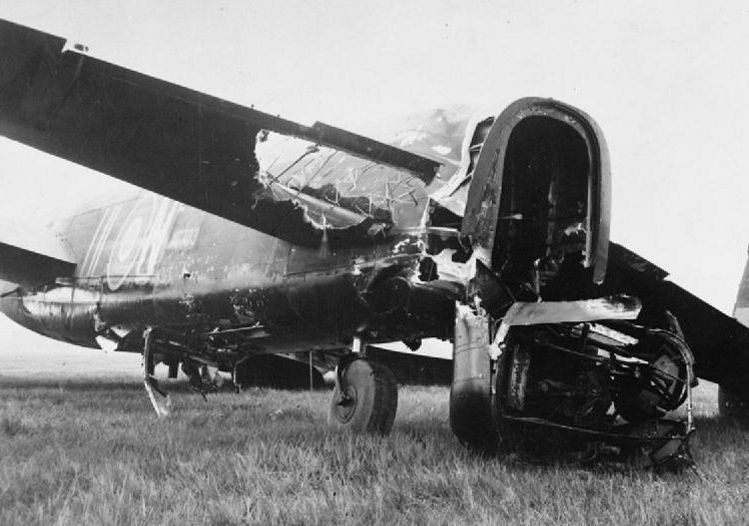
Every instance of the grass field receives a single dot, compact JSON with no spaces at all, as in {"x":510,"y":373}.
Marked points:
{"x":90,"y":451}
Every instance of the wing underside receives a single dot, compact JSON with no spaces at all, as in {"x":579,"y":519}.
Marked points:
{"x":719,"y":342}
{"x":180,"y":143}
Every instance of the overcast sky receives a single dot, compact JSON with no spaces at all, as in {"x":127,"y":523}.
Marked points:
{"x":667,"y":83}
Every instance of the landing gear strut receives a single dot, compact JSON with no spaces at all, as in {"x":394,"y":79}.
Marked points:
{"x":162,"y":404}
{"x":365,"y":398}
{"x":156,"y":351}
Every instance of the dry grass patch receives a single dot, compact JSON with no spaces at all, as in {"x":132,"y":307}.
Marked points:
{"x":92,"y":452}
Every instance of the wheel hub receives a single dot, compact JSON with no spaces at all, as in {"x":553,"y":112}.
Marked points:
{"x":345,"y":408}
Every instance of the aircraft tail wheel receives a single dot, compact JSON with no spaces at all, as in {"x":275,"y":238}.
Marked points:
{"x":365,"y":398}
{"x":733,"y":405}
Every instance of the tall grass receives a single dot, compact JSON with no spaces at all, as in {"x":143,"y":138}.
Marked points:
{"x":87,"y":452}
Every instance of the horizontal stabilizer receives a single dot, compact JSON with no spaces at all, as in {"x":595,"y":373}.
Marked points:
{"x":172,"y":140}
{"x":31,"y":257}
{"x":741,"y":308}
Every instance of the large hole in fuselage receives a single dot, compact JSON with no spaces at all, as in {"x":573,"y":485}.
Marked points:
{"x":544,"y":198}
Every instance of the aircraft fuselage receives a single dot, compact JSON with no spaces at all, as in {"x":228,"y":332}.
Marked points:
{"x":148,"y":260}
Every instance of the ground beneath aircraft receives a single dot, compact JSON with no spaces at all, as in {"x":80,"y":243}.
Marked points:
{"x":90,"y":451}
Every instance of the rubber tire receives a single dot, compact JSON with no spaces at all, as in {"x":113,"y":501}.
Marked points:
{"x":374,"y":393}
{"x":732,"y":405}
{"x":510,"y":436}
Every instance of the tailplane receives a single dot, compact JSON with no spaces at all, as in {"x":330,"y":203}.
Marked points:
{"x":733,"y":400}
{"x":31,"y":258}
{"x":741,"y":308}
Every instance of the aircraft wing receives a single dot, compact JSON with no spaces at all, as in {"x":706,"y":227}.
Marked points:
{"x":291,"y":371}
{"x":413,"y":368}
{"x":719,"y":342}
{"x":174,"y":141}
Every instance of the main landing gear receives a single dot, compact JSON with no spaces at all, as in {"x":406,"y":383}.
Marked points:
{"x":365,"y":398}
{"x":596,"y":389}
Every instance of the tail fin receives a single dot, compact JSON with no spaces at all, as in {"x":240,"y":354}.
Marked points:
{"x":741,"y":309}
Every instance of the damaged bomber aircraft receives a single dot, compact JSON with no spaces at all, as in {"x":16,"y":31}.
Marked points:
{"x":254,"y":235}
